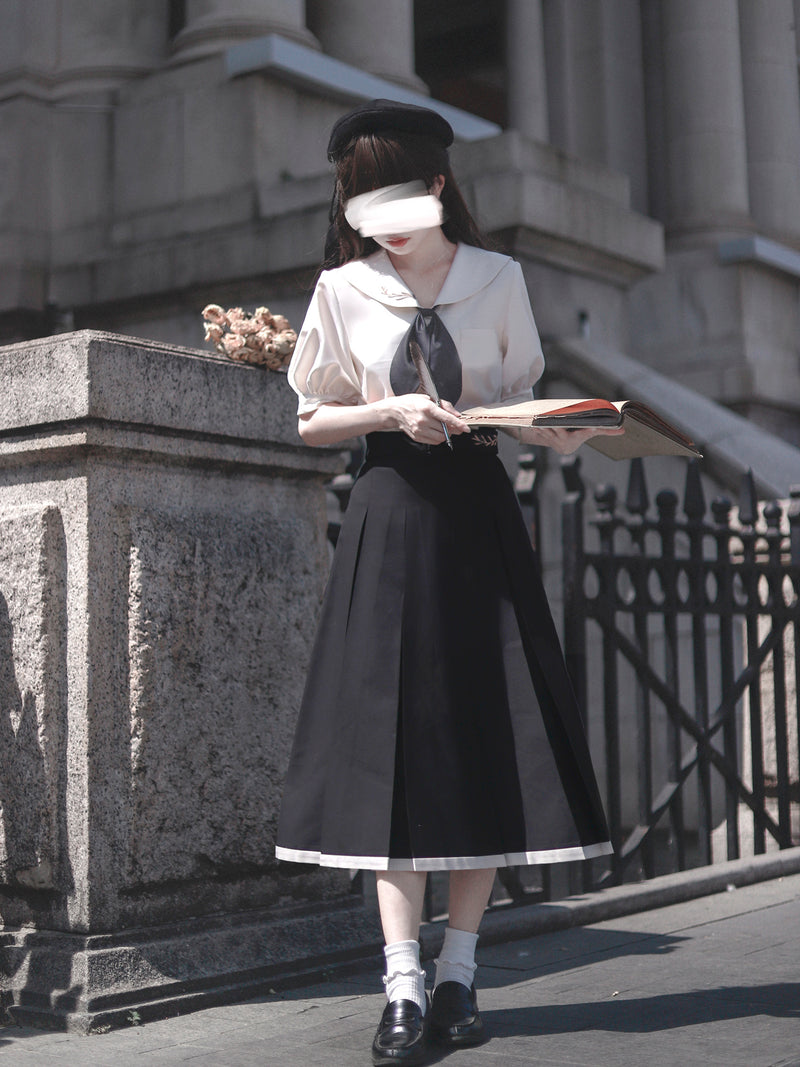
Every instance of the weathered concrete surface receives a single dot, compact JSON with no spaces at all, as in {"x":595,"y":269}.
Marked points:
{"x":162,"y":558}
{"x":32,"y":696}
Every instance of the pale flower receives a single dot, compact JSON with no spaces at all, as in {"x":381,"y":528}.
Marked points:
{"x":214,"y":333}
{"x":233,"y":345}
{"x":215,"y":314}
{"x":237,"y":318}
{"x":284,"y":342}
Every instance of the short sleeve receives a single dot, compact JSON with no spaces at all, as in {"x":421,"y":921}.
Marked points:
{"x":322,"y":369}
{"x":523,"y":360}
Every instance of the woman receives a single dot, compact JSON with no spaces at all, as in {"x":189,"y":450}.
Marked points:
{"x":438,"y":730}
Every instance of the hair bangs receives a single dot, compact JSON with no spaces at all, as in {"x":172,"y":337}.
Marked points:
{"x":378,"y":160}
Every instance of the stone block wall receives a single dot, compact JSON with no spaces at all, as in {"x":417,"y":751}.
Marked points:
{"x":162,"y":559}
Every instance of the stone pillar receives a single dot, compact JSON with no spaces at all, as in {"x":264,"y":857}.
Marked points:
{"x":213,"y":25}
{"x":162,"y":556}
{"x":654,"y":108}
{"x":595,"y":90}
{"x":73,"y":46}
{"x":572,"y":45}
{"x":704,"y":113}
{"x":104,"y":44}
{"x":625,"y":147}
{"x":373,"y":35}
{"x":29,"y":41}
{"x":772,"y":111}
{"x":525,"y":66}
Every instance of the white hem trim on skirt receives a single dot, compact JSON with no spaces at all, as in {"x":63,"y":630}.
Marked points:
{"x":447,"y":863}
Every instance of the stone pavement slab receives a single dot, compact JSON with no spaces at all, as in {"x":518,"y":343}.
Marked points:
{"x":711,"y":981}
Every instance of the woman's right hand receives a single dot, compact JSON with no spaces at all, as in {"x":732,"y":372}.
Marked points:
{"x":419,"y":418}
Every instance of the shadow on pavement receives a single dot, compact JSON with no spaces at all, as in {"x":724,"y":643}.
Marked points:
{"x":564,"y":950}
{"x":509,"y":963}
{"x":645,"y":1015}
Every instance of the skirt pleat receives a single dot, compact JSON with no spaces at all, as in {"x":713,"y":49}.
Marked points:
{"x":438,"y":729}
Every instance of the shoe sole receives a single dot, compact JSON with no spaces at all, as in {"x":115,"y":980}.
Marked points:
{"x":445,"y":1040}
{"x":415,"y":1060}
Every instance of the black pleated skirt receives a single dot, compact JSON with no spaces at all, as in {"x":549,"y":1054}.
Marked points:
{"x":438,"y":729}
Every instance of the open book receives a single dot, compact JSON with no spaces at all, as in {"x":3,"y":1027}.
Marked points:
{"x":646,"y":434}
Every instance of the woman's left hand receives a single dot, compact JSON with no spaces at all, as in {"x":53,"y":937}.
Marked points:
{"x":565,"y":442}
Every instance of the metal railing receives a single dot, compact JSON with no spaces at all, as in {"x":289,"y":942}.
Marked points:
{"x":702,"y":611}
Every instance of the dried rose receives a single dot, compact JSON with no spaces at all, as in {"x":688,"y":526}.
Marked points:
{"x":214,"y":333}
{"x":233,"y":344}
{"x":284,"y":342}
{"x":215,"y":314}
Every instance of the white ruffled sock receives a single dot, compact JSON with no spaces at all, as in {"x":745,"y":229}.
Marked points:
{"x":405,"y":978}
{"x":456,"y":961}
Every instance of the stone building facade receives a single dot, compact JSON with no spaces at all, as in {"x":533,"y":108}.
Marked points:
{"x":640,"y":157}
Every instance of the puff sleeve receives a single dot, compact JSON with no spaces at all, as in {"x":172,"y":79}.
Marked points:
{"x":523,"y":360}
{"x":322,"y":370}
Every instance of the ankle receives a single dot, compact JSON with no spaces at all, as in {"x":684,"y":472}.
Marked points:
{"x":405,"y":978}
{"x":456,"y":962}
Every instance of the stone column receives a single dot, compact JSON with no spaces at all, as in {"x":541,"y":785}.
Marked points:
{"x":574,"y":85}
{"x":162,"y":557}
{"x":213,"y":25}
{"x":72,"y":39}
{"x":525,"y":66}
{"x":704,"y":114}
{"x":21,"y":48}
{"x":625,"y":145}
{"x":595,"y":90}
{"x":772,"y":112}
{"x":107,"y":43}
{"x":373,"y":35}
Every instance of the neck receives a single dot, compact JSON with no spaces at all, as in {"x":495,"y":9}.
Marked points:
{"x":435,"y":252}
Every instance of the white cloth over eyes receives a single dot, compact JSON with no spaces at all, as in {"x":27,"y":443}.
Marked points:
{"x":360,"y":313}
{"x":394,"y":209}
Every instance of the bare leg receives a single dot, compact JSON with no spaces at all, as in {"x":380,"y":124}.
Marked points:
{"x":401,"y":895}
{"x":469,"y":895}
{"x":400,"y":899}
{"x":455,"y":1019}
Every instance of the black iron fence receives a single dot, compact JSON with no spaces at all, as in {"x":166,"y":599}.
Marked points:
{"x":687,"y":622}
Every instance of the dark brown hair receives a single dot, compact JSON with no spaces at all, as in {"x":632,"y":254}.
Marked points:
{"x":391,"y":158}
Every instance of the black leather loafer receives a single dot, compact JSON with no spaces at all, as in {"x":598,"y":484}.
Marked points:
{"x":455,"y":1021}
{"x":400,"y":1037}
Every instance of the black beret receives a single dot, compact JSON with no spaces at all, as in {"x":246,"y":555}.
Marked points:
{"x":387,"y":115}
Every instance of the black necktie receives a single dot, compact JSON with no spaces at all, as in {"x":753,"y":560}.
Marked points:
{"x":440,"y":353}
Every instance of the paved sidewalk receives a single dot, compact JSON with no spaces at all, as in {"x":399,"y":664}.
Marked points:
{"x":712,"y":981}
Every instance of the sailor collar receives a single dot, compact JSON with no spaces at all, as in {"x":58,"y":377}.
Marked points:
{"x":472,"y":269}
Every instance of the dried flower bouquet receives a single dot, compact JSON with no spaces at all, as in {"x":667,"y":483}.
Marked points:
{"x":261,"y":337}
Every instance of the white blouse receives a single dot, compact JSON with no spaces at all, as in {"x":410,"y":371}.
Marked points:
{"x":360,"y":312}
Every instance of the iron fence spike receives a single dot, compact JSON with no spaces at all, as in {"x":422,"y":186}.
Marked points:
{"x":637,"y":500}
{"x":694,"y":503}
{"x":748,"y":500}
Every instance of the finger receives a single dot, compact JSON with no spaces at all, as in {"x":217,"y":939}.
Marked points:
{"x":427,"y":433}
{"x":454,"y":422}
{"x":447,"y":406}
{"x":445,"y":413}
